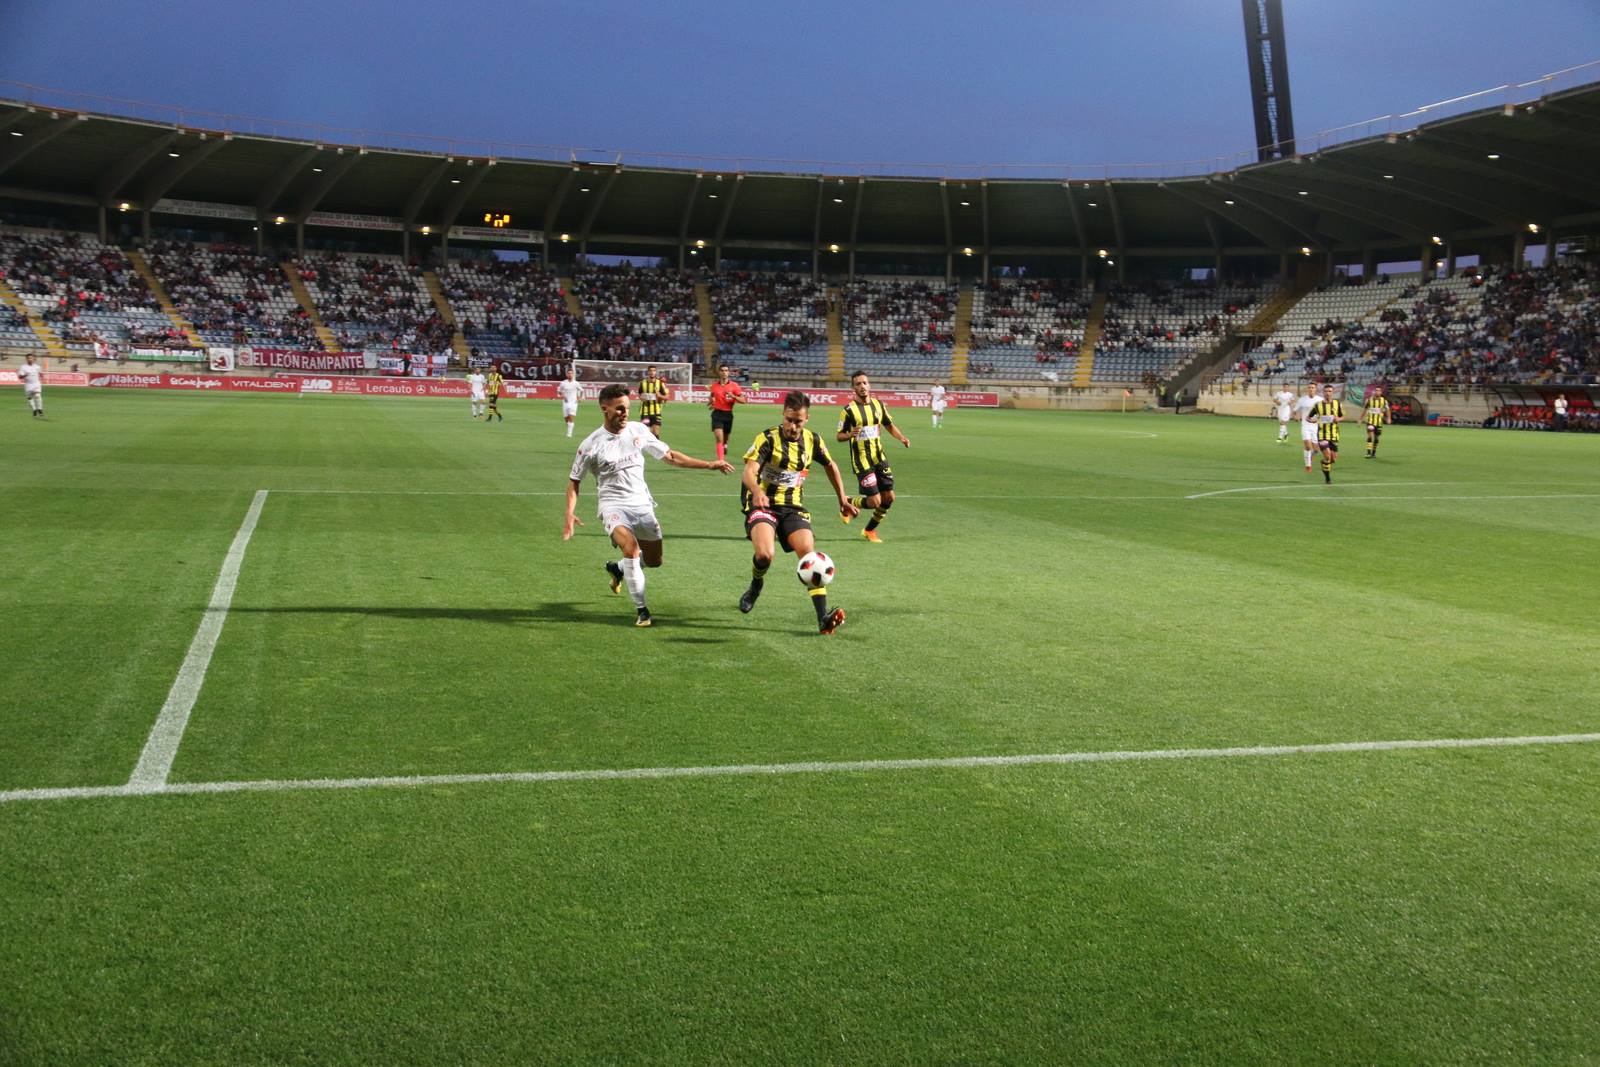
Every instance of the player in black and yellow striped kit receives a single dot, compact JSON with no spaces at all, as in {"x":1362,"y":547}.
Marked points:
{"x":652,"y":391}
{"x":1328,"y":413}
{"x":863,"y":424}
{"x":491,"y":389}
{"x":775,"y":468}
{"x":1376,"y":416}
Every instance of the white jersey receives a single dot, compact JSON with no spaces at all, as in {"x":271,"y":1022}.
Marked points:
{"x":477,"y":381}
{"x":617,"y":460}
{"x":569,"y":392}
{"x":1284,"y":400}
{"x":29,"y":375}
{"x":1303,"y":406}
{"x":936,"y":395}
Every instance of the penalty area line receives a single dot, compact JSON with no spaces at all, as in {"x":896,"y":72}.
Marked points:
{"x":137,"y":788}
{"x":155,"y":762}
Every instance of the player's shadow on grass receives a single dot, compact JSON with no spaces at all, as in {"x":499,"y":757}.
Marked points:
{"x":553,"y":612}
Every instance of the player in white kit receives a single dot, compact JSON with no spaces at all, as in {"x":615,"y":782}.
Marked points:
{"x":936,"y":403}
{"x":1283,"y":405}
{"x":477,"y":382}
{"x":615,"y":453}
{"x":32,"y":385}
{"x":570,"y":392}
{"x":1308,"y":425}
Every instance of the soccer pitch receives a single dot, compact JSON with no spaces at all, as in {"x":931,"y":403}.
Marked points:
{"x":1098,"y":770}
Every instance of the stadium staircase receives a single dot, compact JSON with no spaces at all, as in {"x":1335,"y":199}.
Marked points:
{"x":963,"y":345}
{"x":458,"y":341}
{"x":708,"y":323}
{"x":574,"y":308}
{"x":1204,"y":366}
{"x":303,"y":295}
{"x":835,"y":335}
{"x":1084,"y":373}
{"x":53,"y":348}
{"x":142,"y":267}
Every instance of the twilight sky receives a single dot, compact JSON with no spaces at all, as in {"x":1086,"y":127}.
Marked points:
{"x":1006,"y":81}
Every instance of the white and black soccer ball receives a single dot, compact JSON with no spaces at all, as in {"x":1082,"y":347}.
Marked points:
{"x":814,"y":570}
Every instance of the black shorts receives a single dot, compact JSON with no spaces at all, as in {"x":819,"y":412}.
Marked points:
{"x":785,"y":521}
{"x":1331,"y":446}
{"x":652,"y":421}
{"x":878,"y":478}
{"x":1376,"y":428}
{"x":722,"y":420}
{"x":494,"y":398}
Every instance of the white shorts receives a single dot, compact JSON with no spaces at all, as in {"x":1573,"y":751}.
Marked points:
{"x":1283,"y":414}
{"x":32,"y":390}
{"x":569,"y":411}
{"x":938,"y":407}
{"x":642,"y":521}
{"x":1308,"y":432}
{"x":478,"y":398}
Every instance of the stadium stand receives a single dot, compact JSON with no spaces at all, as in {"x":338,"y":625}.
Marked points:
{"x":509,"y":310}
{"x":83,"y":290}
{"x":373,"y":302}
{"x":1150,"y":329}
{"x":900,"y":328}
{"x":776,"y":319}
{"x":15,"y":331}
{"x":231,"y":294}
{"x":637,"y":313}
{"x":1498,"y":325}
{"x":1027,"y":329}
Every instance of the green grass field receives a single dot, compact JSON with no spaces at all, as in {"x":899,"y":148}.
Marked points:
{"x":1049,"y":584}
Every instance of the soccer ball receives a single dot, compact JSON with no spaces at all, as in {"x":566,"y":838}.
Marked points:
{"x":814,"y":570}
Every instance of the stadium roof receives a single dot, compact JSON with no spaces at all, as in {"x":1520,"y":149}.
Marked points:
{"x":1471,"y":178}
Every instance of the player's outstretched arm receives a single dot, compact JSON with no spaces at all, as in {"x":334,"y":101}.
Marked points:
{"x":678,"y":459}
{"x":837,"y":481}
{"x":572,"y":519}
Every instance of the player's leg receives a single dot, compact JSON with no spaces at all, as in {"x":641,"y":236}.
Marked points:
{"x":867,"y":483}
{"x":802,"y":541}
{"x":1308,"y":444}
{"x":882,"y":501}
{"x":1326,"y":447}
{"x":761,"y":529}
{"x":1283,"y":429}
{"x":36,"y":401}
{"x":632,"y":572}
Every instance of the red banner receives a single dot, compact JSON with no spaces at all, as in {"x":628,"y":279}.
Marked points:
{"x":295,"y":359}
{"x":457,"y":387}
{"x":9,"y":377}
{"x":195,"y":383}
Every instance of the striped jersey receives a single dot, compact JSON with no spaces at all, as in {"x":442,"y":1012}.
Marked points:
{"x":494,"y":383}
{"x":784,"y":465}
{"x":1329,"y":410}
{"x":871,"y":419}
{"x":1377,"y":410}
{"x":651,"y":392}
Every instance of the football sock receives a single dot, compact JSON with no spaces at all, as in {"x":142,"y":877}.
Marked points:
{"x":722,"y":450}
{"x":1308,"y":457}
{"x":758,"y":573}
{"x":877,"y":517}
{"x":857,"y":500}
{"x":633,"y":578}
{"x":1327,"y":469}
{"x":819,"y":600}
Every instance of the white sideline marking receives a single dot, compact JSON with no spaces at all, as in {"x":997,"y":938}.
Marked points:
{"x":135,"y":788}
{"x":155,"y":762}
{"x":1302,"y":485}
